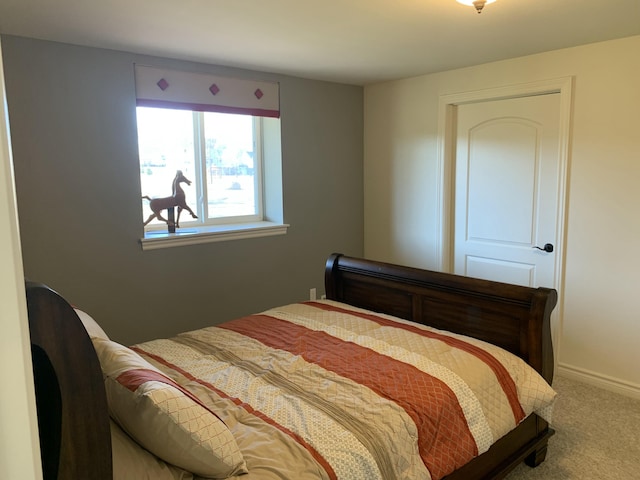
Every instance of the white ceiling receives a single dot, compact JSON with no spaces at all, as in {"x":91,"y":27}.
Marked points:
{"x":348,"y":41}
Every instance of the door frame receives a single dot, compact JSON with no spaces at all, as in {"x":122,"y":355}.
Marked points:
{"x":18,"y":414}
{"x":447,"y":119}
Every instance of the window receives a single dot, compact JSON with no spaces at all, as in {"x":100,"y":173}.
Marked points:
{"x":219,"y":153}
{"x":223,"y":136}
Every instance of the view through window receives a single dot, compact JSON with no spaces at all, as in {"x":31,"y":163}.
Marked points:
{"x":217,"y":152}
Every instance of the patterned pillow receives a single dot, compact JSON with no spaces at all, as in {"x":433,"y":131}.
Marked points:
{"x":165,"y":418}
{"x":132,"y":462}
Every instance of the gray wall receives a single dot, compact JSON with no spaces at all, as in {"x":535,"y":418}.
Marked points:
{"x":72,"y":118}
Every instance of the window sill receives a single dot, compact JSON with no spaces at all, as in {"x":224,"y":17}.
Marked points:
{"x":212,"y":233}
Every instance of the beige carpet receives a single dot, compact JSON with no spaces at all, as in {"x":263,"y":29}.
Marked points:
{"x":597,"y":436}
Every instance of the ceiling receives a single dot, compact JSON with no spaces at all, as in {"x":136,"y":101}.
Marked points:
{"x":347,"y":41}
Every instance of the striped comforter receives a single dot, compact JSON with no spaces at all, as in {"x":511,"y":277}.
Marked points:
{"x":323,"y":390}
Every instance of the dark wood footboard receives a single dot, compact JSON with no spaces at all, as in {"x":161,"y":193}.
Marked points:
{"x":73,"y":420}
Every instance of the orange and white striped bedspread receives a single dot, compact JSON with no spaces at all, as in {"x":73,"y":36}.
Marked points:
{"x":322,"y":390}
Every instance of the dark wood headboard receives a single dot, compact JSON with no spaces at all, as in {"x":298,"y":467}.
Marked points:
{"x":513,"y":317}
{"x":70,"y":397}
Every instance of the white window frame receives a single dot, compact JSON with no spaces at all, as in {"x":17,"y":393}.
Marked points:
{"x":206,"y":230}
{"x":160,"y":86}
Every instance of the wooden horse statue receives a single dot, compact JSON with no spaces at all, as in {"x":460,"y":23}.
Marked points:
{"x":178,"y":199}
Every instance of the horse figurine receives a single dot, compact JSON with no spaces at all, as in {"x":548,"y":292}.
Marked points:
{"x":178,"y":199}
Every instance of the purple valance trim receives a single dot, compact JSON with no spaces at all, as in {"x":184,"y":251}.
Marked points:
{"x":203,"y":107}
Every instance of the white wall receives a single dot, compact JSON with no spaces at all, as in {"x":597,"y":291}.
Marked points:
{"x":19,"y":451}
{"x":601,"y":320}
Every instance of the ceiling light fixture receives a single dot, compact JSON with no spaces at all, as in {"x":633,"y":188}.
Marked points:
{"x":479,"y":4}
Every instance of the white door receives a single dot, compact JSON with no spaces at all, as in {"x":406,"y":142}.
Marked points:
{"x":507,"y":190}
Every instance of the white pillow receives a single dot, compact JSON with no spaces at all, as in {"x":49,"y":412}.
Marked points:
{"x":162,"y":418}
{"x":90,"y":325}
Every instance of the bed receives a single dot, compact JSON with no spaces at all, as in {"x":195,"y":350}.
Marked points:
{"x":243,"y":382}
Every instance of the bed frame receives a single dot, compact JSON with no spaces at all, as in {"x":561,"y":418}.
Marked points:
{"x":72,"y":412}
{"x":513,"y":317}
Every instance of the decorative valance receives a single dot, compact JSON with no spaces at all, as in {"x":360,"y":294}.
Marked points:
{"x":166,"y":88}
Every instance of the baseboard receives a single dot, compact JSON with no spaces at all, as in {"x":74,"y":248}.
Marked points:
{"x":603,"y":381}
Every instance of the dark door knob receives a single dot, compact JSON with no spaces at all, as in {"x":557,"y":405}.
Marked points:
{"x":547,"y":248}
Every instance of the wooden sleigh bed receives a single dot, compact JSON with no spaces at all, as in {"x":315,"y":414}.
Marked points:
{"x":73,"y":415}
